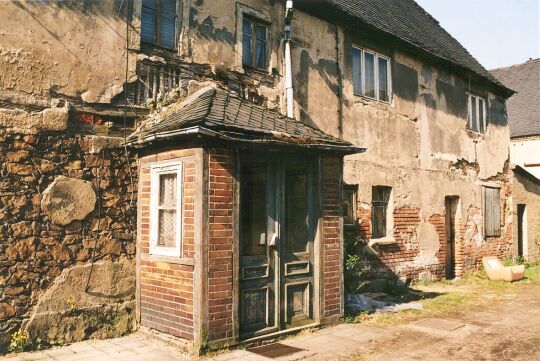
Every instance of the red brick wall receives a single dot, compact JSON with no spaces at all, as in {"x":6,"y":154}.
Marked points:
{"x":331,"y":238}
{"x":166,"y":288}
{"x":220,"y":244}
{"x":398,"y":259}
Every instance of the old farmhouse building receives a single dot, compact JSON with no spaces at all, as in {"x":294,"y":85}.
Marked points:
{"x":196,"y":166}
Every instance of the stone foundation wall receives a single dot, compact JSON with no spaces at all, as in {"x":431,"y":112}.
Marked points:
{"x":67,"y":226}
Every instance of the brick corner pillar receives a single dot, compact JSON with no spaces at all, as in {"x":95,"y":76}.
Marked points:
{"x":221,"y":170}
{"x":332,"y":306}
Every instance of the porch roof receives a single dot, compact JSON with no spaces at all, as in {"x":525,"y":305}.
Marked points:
{"x":215,"y":112}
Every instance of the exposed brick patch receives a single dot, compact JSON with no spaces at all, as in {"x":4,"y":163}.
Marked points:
{"x":220,"y":244}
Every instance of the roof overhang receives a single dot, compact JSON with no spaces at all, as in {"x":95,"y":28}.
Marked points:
{"x":269,"y":138}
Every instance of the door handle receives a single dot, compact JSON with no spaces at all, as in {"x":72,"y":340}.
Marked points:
{"x":273,"y":240}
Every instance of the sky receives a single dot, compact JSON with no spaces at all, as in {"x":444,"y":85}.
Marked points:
{"x":497,"y":33}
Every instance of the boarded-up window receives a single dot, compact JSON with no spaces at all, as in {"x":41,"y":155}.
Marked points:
{"x":492,"y":211}
{"x":379,"y":206}
{"x":158,"y":22}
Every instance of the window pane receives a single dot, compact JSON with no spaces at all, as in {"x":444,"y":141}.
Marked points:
{"x":357,"y":71}
{"x":481,"y":115}
{"x":348,"y":207}
{"x":381,"y":194}
{"x":246,"y":42}
{"x":260,"y":50}
{"x":378,"y":220}
{"x":167,"y":228}
{"x":296,"y":209}
{"x":148,"y":24}
{"x":369,"y":73}
{"x":167,"y":190}
{"x":383,"y":79}
{"x":253,"y":209}
{"x":474,"y":119}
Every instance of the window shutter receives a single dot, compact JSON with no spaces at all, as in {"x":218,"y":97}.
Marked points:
{"x":492,"y":216}
{"x":168,"y":23}
{"x":148,"y":21}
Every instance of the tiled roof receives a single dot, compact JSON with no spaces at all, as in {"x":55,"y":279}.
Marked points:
{"x":409,"y":22}
{"x":225,"y":114}
{"x":524,"y":107}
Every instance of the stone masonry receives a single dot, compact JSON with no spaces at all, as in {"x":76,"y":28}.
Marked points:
{"x":72,"y":271}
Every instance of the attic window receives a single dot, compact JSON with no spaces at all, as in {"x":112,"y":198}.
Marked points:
{"x":371,"y":75}
{"x":476,"y":118}
{"x":158,"y":22}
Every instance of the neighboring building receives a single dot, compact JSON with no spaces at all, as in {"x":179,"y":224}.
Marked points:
{"x":221,"y":219}
{"x":524,"y":113}
{"x":524,"y":119}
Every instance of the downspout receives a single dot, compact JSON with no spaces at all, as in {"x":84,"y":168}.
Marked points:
{"x":288,"y":68}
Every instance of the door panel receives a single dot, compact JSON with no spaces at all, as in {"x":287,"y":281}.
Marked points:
{"x":276,"y":279}
{"x":297,"y":252}
{"x":257,"y":275}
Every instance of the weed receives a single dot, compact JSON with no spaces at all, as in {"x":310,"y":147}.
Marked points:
{"x":18,"y":341}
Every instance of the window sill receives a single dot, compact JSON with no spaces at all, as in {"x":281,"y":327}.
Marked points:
{"x":168,"y":259}
{"x":383,"y":241}
{"x":370,"y":99}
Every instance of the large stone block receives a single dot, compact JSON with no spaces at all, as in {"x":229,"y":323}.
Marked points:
{"x":87,"y":301}
{"x":67,"y":199}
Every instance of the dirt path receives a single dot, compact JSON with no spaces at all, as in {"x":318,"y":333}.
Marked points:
{"x":509,"y":330}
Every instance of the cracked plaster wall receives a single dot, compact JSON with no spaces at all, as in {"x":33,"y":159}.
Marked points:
{"x":73,"y":50}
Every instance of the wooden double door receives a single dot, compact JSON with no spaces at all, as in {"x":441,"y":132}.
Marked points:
{"x":277,"y":231}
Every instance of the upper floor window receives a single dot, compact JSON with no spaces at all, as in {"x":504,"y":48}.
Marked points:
{"x":371,"y":74}
{"x":166,"y":210}
{"x":158,"y":22}
{"x":476,"y":118}
{"x":254,"y":43}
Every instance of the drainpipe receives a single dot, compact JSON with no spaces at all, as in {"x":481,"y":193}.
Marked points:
{"x":288,"y":69}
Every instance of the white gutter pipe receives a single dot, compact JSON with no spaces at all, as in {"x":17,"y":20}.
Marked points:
{"x":288,"y":67}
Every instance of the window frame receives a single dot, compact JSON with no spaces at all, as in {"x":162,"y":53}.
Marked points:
{"x":254,"y":21}
{"x":354,"y":190}
{"x":376,"y":55}
{"x":483,"y":128}
{"x":156,"y":171}
{"x":157,"y":25}
{"x":386,"y":204}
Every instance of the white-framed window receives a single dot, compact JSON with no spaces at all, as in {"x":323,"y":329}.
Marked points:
{"x":372,"y":76}
{"x":476,"y":115}
{"x":166,"y":210}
